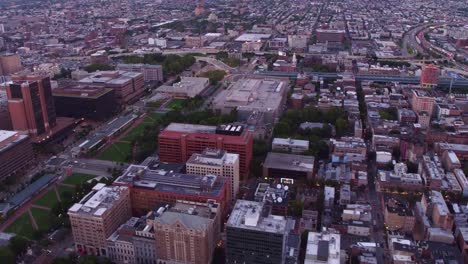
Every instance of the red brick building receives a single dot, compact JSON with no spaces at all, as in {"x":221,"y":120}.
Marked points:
{"x":330,"y":35}
{"x":179,"y":141}
{"x":16,"y":153}
{"x":152,"y":188}
{"x":429,"y":76}
{"x":31,"y":104}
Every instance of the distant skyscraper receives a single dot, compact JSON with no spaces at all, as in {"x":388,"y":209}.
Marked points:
{"x":429,"y":76}
{"x":31,"y":104}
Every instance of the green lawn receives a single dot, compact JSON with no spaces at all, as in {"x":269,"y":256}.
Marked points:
{"x":78,"y":178}
{"x":61,"y":189}
{"x":175,"y":103}
{"x":135,"y":132}
{"x":118,"y":152}
{"x":22,"y":226}
{"x":49,"y":199}
{"x":152,"y":117}
{"x":42,"y":218}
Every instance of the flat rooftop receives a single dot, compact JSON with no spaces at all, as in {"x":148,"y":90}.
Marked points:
{"x":453,"y":147}
{"x":323,"y":245}
{"x":191,"y":128}
{"x":98,"y":200}
{"x":291,"y":142}
{"x":110,"y":77}
{"x":193,"y":216}
{"x":81,"y":91}
{"x":138,"y":65}
{"x":289,"y":162}
{"x":254,"y":216}
{"x":438,"y":200}
{"x":9,"y":139}
{"x":331,"y":30}
{"x":251,"y":94}
{"x":167,"y":181}
{"x":6,"y":134}
{"x":252,"y":37}
{"x":188,"y":85}
{"x":215,"y":157}
{"x":107,"y":130}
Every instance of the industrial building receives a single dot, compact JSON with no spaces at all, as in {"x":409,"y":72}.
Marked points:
{"x":248,"y":95}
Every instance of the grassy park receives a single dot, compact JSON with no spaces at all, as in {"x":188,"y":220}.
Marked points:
{"x":119,"y":152}
{"x":22,"y":226}
{"x":78,"y":178}
{"x":49,"y":199}
{"x":176,"y":103}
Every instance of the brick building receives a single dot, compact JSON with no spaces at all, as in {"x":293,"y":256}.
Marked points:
{"x":216,"y":162}
{"x":128,"y":86}
{"x":97,"y":216}
{"x":330,"y":35}
{"x":15,"y":153}
{"x":177,"y":142}
{"x":31,"y":104}
{"x":429,"y":76}
{"x":149,"y":188}
{"x":191,"y":231}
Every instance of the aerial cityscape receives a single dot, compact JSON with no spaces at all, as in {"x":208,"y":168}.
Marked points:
{"x":233,"y":132}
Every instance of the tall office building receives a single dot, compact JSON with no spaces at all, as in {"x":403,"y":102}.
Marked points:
{"x":187,"y":232}
{"x":15,"y":153}
{"x":255,"y":236}
{"x":429,"y":76}
{"x":217,"y":162}
{"x":31,"y":104}
{"x":97,"y":216}
{"x":178,"y":142}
